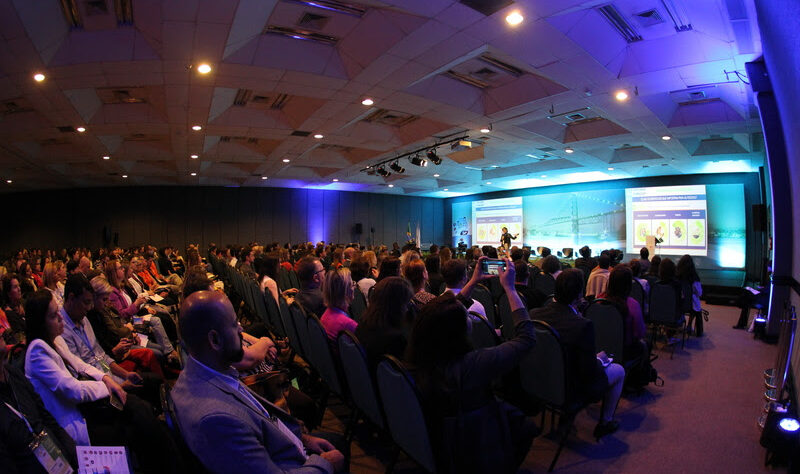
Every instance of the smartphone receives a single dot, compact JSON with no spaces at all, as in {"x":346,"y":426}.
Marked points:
{"x":115,"y":402}
{"x":492,"y":266}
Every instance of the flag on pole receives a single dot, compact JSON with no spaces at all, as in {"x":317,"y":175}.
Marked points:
{"x":408,"y":230}
{"x":419,"y":242}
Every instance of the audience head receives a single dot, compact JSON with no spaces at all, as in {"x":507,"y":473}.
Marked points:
{"x":516,"y":254}
{"x":101,"y":289}
{"x":348,"y":253}
{"x":54,"y":272}
{"x":416,"y":273}
{"x":84,"y":265}
{"x":685,"y":270}
{"x":550,"y":264}
{"x":636,"y":267}
{"x":433,"y":264}
{"x":42,"y":318}
{"x":545,"y":252}
{"x":267,"y":266}
{"x":390,"y":266}
{"x":359,"y":268}
{"x":12,"y":290}
{"x":209,"y":329}
{"x":389,"y":304}
{"x":440,"y":334}
{"x":434,"y":249}
{"x":72,"y":267}
{"x":666,"y":270}
{"x":370,"y":256}
{"x":445,"y":254}
{"x":114,"y":273}
{"x":569,"y":286}
{"x":620,"y":281}
{"x":196,"y":279}
{"x":655,"y":263}
{"x":78,"y":297}
{"x":310,"y":273}
{"x":521,"y":272}
{"x":454,"y":273}
{"x":644,"y":253}
{"x":604,"y":261}
{"x":337,"y":289}
{"x":526,"y":254}
{"x":585,"y":252}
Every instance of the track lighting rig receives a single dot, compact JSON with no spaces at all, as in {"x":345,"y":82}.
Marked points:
{"x":413,"y":155}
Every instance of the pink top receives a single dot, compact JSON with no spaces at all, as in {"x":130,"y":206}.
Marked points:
{"x":122,"y":303}
{"x":334,"y":321}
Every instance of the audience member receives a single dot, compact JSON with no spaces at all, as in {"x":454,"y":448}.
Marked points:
{"x":311,"y":276}
{"x":454,"y":273}
{"x":644,"y":259}
{"x":389,"y":267}
{"x":13,"y":309}
{"x":267,"y":268}
{"x":588,"y":379}
{"x":337,"y":293}
{"x":416,"y":273}
{"x":551,"y":266}
{"x":360,"y":272}
{"x":435,"y":280}
{"x":634,"y":331}
{"x":221,"y":419}
{"x":387,"y":320}
{"x":598,"y":278}
{"x":652,"y":273}
{"x":585,"y":262}
{"x":532,"y":297}
{"x":691,"y":291}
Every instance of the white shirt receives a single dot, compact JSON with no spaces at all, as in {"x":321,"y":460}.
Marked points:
{"x":364,"y":285}
{"x":477,"y":306}
{"x":60,"y":391}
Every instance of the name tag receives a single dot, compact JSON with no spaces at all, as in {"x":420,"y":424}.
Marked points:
{"x":49,"y":455}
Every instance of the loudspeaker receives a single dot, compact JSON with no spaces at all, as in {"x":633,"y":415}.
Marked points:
{"x":759,"y":217}
{"x":358,"y":229}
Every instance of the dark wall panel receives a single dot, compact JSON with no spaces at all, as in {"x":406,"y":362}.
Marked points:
{"x":182,"y":215}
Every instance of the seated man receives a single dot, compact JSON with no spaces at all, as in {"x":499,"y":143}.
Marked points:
{"x":598,"y":278}
{"x":588,"y":379}
{"x":227,"y":426}
{"x":311,"y":275}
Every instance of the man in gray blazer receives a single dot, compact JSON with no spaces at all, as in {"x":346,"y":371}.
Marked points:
{"x":227,"y":426}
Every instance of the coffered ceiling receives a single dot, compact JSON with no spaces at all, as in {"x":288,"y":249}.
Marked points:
{"x":284,"y":71}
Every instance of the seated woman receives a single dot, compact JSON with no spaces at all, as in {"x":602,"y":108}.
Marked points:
{"x":692,"y":290}
{"x":55,"y":274}
{"x":49,"y":365}
{"x":588,"y":380}
{"x":337,"y":293}
{"x":267,"y":269}
{"x":416,"y":273}
{"x":13,"y":309}
{"x":435,"y":279}
{"x":453,"y":378}
{"x":128,"y":303}
{"x":634,"y":330}
{"x":387,"y":320}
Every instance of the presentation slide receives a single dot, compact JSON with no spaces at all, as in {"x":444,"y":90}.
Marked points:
{"x":489,"y":218}
{"x":677,"y":215}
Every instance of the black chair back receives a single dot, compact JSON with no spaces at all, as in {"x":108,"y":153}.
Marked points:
{"x":664,"y":307}
{"x":483,"y":295}
{"x":356,"y":372}
{"x":298,"y":317}
{"x":545,"y":283}
{"x":609,"y":328}
{"x":543,"y":370}
{"x":321,"y":357}
{"x":637,"y":293}
{"x":482,"y":334}
{"x":358,"y":305}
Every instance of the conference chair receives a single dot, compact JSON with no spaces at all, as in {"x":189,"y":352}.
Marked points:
{"x":294,"y":282}
{"x":495,"y":288}
{"x":637,"y":293}
{"x":609,"y":329}
{"x":321,"y":358}
{"x":274,"y":314}
{"x":190,"y":461}
{"x":545,"y":283}
{"x":665,"y":313}
{"x":404,"y":416}
{"x":289,"y":327}
{"x":482,"y":334}
{"x":363,"y":392}
{"x":483,"y":295}
{"x":504,"y":316}
{"x":543,"y":375}
{"x":298,"y":317}
{"x":358,"y":305}
{"x":283,"y":282}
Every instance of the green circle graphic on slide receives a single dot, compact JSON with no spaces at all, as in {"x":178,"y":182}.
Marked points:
{"x":642,"y":230}
{"x":679,"y":230}
{"x":697,"y":232}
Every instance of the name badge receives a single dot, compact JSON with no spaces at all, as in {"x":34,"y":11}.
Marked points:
{"x":49,"y":455}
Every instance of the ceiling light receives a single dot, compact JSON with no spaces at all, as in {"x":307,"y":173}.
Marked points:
{"x":335,"y":180}
{"x":544,"y":176}
{"x":416,"y":160}
{"x":666,"y":138}
{"x":194,"y":174}
{"x":495,"y":166}
{"x":436,"y":175}
{"x":81,"y":129}
{"x":610,"y":168}
{"x":433,"y":157}
{"x":486,"y":130}
{"x":568,"y":150}
{"x":318,"y":136}
{"x":621,"y":96}
{"x":204,"y":68}
{"x":445,"y":189}
{"x":38,"y":77}
{"x":9,"y":181}
{"x":488,"y":182}
{"x":286,"y":160}
{"x":106,"y":157}
{"x":196,"y":128}
{"x":367,"y":101}
{"x":124,"y":175}
{"x":514,"y":18}
{"x":397,"y":168}
{"x":263,"y":177}
{"x":391,"y":185}
{"x":194,"y":157}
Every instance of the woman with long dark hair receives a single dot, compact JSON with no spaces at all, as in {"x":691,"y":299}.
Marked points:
{"x":620,"y":281}
{"x":691,"y":290}
{"x":386,"y":323}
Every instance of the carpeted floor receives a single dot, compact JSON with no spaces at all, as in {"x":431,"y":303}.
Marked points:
{"x":702,"y":420}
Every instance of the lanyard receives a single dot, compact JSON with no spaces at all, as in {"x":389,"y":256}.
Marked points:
{"x":30,"y":428}
{"x":80,"y":330}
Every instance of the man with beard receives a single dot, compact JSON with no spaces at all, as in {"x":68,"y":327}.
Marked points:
{"x":227,"y":426}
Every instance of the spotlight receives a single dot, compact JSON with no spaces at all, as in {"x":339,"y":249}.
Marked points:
{"x":204,"y":68}
{"x":486,"y":129}
{"x":391,"y":185}
{"x":610,"y":168}
{"x":106,"y":157}
{"x":335,"y":180}
{"x":194,"y":157}
{"x":436,"y":175}
{"x":9,"y":181}
{"x":318,"y":136}
{"x":416,"y":160}
{"x":621,"y":96}
{"x":286,"y":160}
{"x":81,"y":129}
{"x":568,"y":150}
{"x":666,"y":137}
{"x":445,"y":189}
{"x":39,"y":77}
{"x":514,"y":18}
{"x":397,"y":168}
{"x":196,"y":128}
{"x":382,"y":171}
{"x":264,"y":177}
{"x":194,"y":174}
{"x":367,"y":101}
{"x":433,"y":157}
{"x":124,"y":175}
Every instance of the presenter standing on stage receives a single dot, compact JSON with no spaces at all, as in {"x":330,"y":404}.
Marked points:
{"x":505,"y":239}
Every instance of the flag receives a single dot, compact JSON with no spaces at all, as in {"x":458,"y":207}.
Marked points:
{"x":419,"y":242}
{"x":408,"y":230}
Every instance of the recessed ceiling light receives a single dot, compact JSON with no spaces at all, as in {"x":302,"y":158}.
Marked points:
{"x":621,"y":96}
{"x":318,"y":136}
{"x":38,"y":77}
{"x":367,"y":101}
{"x":486,"y":130}
{"x":124,"y":175}
{"x":610,"y":168}
{"x":488,"y":182}
{"x":335,"y":180}
{"x":445,"y":189}
{"x":514,"y":18}
{"x":204,"y":68}
{"x":666,"y":137}
{"x":544,"y":176}
{"x":391,"y":185}
{"x":81,"y":129}
{"x":194,"y":157}
{"x":196,"y":128}
{"x":263,"y":177}
{"x":436,"y":175}
{"x":106,"y":157}
{"x":286,"y":160}
{"x":193,"y":174}
{"x":9,"y":181}
{"x":495,"y":166}
{"x":568,"y":150}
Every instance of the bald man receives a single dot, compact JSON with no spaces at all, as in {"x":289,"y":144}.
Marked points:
{"x":227,"y":426}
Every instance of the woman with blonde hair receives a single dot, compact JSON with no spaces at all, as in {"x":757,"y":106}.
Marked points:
{"x":337,"y":293}
{"x":55,"y":274}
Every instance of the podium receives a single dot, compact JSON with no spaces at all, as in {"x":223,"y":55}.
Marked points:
{"x":650,"y":243}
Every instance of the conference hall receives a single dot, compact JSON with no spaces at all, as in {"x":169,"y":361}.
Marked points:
{"x":399,"y":236}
